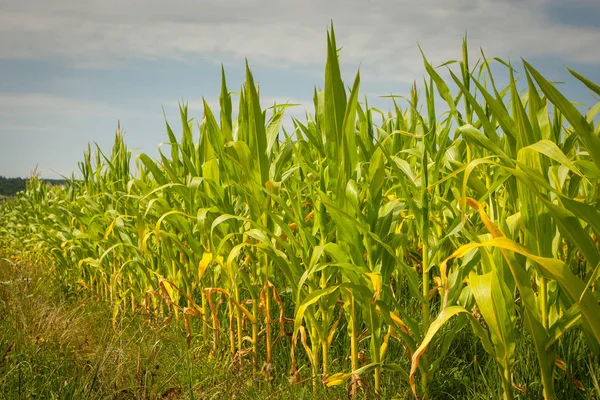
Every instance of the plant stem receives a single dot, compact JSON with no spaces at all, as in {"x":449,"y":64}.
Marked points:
{"x":507,"y":382}
{"x":255,"y":332}
{"x":353,"y":346}
{"x":231,"y":328}
{"x":544,"y":300}
{"x":315,"y":357}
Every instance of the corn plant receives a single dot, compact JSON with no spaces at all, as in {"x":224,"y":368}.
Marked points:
{"x":401,"y":232}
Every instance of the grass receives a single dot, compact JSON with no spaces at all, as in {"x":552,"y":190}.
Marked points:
{"x":58,"y":343}
{"x":59,"y":346}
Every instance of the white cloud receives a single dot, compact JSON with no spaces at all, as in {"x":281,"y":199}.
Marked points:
{"x":382,"y":34}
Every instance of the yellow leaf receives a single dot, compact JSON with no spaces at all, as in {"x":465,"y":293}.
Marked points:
{"x":336,"y":379}
{"x":169,"y":289}
{"x":203,"y":265}
{"x":377,"y":283}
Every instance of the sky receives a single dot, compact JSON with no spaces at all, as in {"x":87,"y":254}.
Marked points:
{"x":72,"y":69}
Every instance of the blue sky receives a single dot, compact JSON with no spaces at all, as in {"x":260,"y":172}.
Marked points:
{"x":72,"y":69}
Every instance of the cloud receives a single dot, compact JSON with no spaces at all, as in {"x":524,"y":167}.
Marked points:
{"x":24,"y":128}
{"x":24,"y":104}
{"x":380,"y":34}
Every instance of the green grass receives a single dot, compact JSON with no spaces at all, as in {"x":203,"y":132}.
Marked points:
{"x":57,"y":342}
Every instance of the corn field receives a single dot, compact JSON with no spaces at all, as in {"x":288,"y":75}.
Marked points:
{"x":383,"y":229}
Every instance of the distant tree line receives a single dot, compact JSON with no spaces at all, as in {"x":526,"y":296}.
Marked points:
{"x":11,"y":186}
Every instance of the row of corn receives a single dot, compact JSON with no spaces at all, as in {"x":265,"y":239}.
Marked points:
{"x":401,"y":227}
